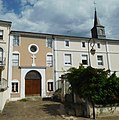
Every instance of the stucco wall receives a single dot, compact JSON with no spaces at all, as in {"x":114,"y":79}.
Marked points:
{"x":3,"y":98}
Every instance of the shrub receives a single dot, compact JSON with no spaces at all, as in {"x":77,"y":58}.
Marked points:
{"x":57,"y":95}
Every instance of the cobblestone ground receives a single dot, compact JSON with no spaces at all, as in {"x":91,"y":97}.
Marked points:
{"x":39,"y":110}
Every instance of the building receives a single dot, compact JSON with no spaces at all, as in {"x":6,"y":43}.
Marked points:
{"x":71,"y":51}
{"x":32,"y":64}
{"x":5,"y":27}
{"x":35,"y":62}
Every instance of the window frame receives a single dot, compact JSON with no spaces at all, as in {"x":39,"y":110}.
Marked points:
{"x":50,"y":64}
{"x":65,"y":62}
{"x":87,"y":61}
{"x":1,"y":56}
{"x":16,"y":38}
{"x":98,"y":45}
{"x":101,"y":61}
{"x":83,"y":44}
{"x":1,"y":35}
{"x":50,"y":86}
{"x":29,"y":49}
{"x":67,"y":43}
{"x":18,"y":63}
{"x":14,"y":81}
{"x":50,"y":82}
{"x":49,"y":44}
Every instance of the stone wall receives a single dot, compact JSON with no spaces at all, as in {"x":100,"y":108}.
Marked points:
{"x":105,"y":111}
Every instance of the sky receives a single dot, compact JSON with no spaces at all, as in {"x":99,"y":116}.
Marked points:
{"x":67,"y":17}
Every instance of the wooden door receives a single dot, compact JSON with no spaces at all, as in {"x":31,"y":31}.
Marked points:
{"x":33,"y":83}
{"x":32,"y":87}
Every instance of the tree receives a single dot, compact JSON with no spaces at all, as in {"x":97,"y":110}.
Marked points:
{"x":94,"y":85}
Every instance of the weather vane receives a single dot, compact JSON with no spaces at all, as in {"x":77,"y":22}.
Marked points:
{"x":95,"y":4}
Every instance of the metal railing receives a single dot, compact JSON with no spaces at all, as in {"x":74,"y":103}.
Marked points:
{"x":3,"y":84}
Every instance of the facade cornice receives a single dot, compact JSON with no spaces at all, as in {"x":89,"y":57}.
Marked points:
{"x":5,"y":23}
{"x":33,"y":67}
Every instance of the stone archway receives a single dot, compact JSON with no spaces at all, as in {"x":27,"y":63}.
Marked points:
{"x":33,"y":83}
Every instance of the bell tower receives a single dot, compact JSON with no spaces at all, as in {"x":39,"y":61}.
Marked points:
{"x":98,"y":31}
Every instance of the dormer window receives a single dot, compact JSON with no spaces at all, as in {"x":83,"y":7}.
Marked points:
{"x":98,"y":45}
{"x":1,"y":34}
{"x":66,"y":43}
{"x":49,"y":42}
{"x":83,"y":44}
{"x":15,"y":40}
{"x":101,"y":32}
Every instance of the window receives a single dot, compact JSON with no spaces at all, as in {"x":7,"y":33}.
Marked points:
{"x":98,"y":45}
{"x":49,"y":43}
{"x":68,"y":59}
{"x":50,"y":86}
{"x":101,"y":31}
{"x":85,"y":59}
{"x":15,"y":60}
{"x":83,"y":44}
{"x":66,"y":43}
{"x":100,"y":59}
{"x":1,"y":56}
{"x":15,"y":40}
{"x":1,"y":34}
{"x":15,"y":87}
{"x":49,"y":60}
{"x":33,"y":48}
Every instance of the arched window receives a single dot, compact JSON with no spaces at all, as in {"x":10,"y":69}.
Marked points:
{"x":33,"y":75}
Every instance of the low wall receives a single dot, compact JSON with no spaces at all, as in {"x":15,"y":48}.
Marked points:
{"x":4,"y":96}
{"x":105,"y":111}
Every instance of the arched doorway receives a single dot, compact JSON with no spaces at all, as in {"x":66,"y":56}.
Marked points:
{"x":33,"y":83}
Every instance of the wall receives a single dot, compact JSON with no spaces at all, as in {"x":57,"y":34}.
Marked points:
{"x":105,"y":111}
{"x":3,"y":98}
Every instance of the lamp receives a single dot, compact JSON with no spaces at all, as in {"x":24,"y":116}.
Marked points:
{"x":91,"y":41}
{"x":92,"y":51}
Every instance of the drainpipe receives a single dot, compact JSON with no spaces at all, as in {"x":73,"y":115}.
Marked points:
{"x":108,"y":64}
{"x":54,"y":65}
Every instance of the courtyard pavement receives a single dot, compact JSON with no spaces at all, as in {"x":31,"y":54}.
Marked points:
{"x":37,"y":109}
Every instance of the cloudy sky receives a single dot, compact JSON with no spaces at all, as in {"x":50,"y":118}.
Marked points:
{"x":69,"y":17}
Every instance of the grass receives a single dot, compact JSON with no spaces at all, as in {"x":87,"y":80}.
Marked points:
{"x":24,"y":100}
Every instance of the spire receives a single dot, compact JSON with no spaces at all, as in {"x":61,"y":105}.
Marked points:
{"x":98,"y":31}
{"x":96,"y":20}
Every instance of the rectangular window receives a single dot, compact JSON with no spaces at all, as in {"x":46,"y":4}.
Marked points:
{"x":49,"y":60}
{"x":85,"y":59}
{"x":49,"y":43}
{"x":98,"y":45}
{"x":68,"y":59}
{"x":15,"y":40}
{"x":66,"y":43}
{"x":83,"y":44}
{"x":100,"y":59}
{"x":15,"y":87}
{"x":15,"y":60}
{"x":1,"y":34}
{"x":50,"y":86}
